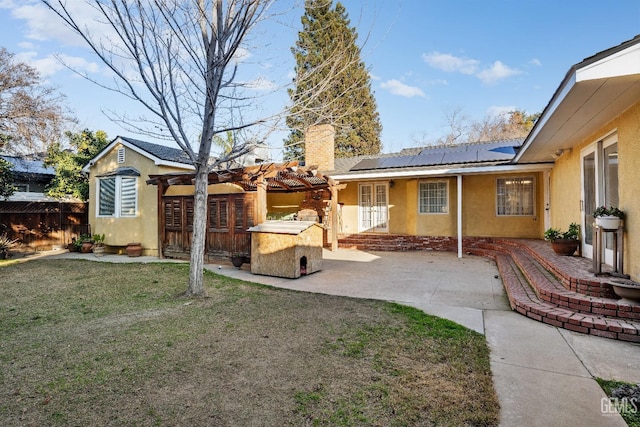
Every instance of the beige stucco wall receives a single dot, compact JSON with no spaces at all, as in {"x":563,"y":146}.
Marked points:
{"x":143,"y":227}
{"x":478,"y":202}
{"x":187,"y":190}
{"x":566,"y":183}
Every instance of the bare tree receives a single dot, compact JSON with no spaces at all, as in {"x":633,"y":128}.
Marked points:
{"x":31,"y":113}
{"x":458,"y":124}
{"x":178,"y":58}
{"x":462,"y":129}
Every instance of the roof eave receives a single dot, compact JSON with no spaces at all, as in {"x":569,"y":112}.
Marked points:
{"x":448,"y":171}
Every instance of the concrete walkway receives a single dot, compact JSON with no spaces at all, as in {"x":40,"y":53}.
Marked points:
{"x":543,"y":375}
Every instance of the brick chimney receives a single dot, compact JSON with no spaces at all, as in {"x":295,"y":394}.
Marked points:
{"x":319,"y":147}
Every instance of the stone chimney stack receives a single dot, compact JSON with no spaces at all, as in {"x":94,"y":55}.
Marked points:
{"x":319,"y":147}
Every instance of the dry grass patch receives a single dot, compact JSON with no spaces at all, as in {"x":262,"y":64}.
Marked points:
{"x":86,"y":343}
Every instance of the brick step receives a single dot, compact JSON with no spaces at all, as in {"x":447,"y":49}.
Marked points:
{"x":570,"y":270}
{"x":526,"y":301}
{"x":549,"y":289}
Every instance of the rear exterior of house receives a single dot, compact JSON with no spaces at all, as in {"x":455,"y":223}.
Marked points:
{"x":435,"y":197}
{"x":428,"y":206}
{"x":122,"y":206}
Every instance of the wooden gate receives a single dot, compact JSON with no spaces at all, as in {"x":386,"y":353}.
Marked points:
{"x":228,"y":218}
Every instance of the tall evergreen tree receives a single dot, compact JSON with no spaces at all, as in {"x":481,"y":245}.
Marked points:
{"x":327,"y":46}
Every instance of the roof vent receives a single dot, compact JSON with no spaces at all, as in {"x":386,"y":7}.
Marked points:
{"x":121,"y":155}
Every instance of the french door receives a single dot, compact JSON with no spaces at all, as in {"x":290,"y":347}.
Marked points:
{"x":373,"y":207}
{"x":599,"y":187}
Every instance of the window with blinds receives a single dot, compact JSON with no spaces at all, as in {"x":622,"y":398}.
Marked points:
{"x":128,"y":196}
{"x":515,"y":196}
{"x":107,"y":196}
{"x":117,"y":196}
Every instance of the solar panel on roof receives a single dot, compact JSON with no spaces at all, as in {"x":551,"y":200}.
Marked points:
{"x":504,"y":149}
{"x":460,"y":157}
{"x":366,"y":164}
{"x":396,"y":162}
{"x":427,"y":159}
{"x":490,"y":155}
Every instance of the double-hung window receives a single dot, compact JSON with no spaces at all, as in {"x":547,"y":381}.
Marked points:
{"x":433,"y":197}
{"x":117,"y":196}
{"x":515,"y":196}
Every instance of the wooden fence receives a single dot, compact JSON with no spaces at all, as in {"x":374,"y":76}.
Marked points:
{"x":44,"y":225}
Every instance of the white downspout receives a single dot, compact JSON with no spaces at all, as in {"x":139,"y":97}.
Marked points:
{"x":459,"y":216}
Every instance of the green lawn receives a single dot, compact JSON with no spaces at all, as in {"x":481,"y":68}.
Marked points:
{"x":92,"y":343}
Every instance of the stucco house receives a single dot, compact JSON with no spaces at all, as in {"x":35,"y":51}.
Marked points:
{"x":583,"y":152}
{"x":127,"y":209}
{"x":121,"y":205}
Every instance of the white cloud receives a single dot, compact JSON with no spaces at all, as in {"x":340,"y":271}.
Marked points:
{"x":536,"y":62}
{"x":260,"y":83}
{"x":396,"y":87}
{"x":50,"y":65}
{"x":241,"y":55}
{"x":7,"y":4}
{"x":44,"y":25}
{"x":496,"y":111}
{"x":498,"y":71}
{"x":450,"y":63}
{"x":27,"y":45}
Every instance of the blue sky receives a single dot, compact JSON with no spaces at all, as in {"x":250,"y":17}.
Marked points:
{"x":426,"y":58}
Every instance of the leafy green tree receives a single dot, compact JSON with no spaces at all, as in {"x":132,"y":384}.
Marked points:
{"x":332,"y":84}
{"x":68,"y":163}
{"x":6,"y":179}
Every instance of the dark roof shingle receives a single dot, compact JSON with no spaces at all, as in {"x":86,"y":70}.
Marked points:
{"x":162,"y":152}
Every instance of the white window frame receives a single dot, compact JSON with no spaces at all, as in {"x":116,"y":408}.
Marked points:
{"x":444,"y":209}
{"x":118,"y":212}
{"x":533,"y":196}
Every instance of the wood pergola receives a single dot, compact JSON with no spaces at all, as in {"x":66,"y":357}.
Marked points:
{"x":287,"y":177}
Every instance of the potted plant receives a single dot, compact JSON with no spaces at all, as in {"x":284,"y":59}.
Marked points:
{"x":608,"y":218}
{"x":98,"y":245}
{"x":77,"y":244}
{"x":72,"y":245}
{"x":86,"y":243}
{"x":5,"y":245}
{"x":564,"y":242}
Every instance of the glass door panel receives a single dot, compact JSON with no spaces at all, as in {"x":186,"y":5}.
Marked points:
{"x":373,"y":208}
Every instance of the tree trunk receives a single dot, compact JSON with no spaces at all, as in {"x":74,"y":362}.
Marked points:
{"x":196,"y":276}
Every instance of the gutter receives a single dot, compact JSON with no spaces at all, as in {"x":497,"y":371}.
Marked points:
{"x":421,"y":173}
